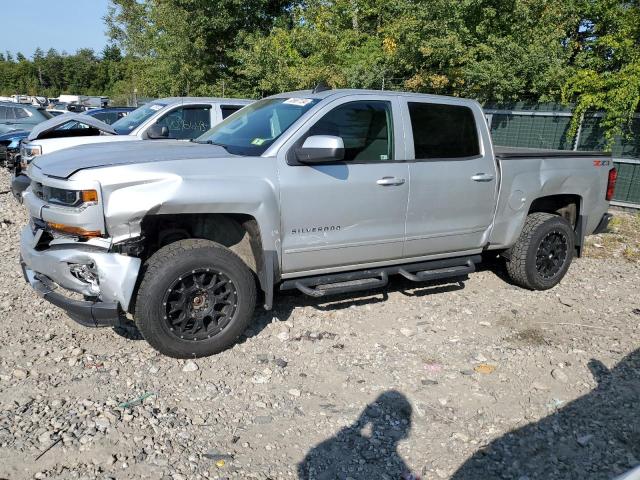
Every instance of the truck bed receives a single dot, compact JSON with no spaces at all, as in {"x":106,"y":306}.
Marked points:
{"x":506,"y":153}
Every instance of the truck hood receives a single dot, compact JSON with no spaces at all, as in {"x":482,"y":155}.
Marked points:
{"x":64,"y":163}
{"x":55,"y":122}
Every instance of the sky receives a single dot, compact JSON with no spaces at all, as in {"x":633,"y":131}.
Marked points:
{"x":61,"y":24}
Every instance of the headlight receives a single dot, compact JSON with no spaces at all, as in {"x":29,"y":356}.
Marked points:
{"x":68,"y":198}
{"x":30,"y":151}
{"x":75,"y":231}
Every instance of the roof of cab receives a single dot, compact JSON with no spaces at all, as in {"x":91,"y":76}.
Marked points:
{"x":237,"y":101}
{"x":342,"y":92}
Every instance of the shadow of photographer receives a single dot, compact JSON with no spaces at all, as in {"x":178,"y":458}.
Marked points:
{"x":366,"y":449}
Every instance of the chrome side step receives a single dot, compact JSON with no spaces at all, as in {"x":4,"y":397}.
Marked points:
{"x":332,"y":284}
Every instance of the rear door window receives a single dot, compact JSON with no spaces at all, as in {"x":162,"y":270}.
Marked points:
{"x":188,"y":122}
{"x":443,"y":131}
{"x":3,"y":112}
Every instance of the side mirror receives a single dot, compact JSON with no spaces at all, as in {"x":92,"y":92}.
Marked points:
{"x":320,"y":149}
{"x":156,"y":131}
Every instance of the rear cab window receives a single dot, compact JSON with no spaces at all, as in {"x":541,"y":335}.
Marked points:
{"x":443,"y":131}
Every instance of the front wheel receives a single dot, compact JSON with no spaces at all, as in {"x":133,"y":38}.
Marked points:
{"x":196,"y":298}
{"x":542,"y":254}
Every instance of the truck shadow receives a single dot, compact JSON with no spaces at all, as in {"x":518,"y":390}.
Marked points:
{"x":366,"y":449}
{"x":286,"y":302}
{"x":596,"y":436}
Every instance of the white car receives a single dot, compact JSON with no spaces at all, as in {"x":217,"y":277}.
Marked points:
{"x":178,"y":118}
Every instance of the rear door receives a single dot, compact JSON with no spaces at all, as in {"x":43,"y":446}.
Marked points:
{"x":348,"y":213}
{"x":453,"y":178}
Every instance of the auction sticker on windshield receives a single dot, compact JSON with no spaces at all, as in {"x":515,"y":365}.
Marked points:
{"x":298,"y":102}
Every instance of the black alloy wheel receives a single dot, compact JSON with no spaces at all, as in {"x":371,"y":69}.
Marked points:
{"x":199,"y":304}
{"x":551,"y":254}
{"x":195,"y":299}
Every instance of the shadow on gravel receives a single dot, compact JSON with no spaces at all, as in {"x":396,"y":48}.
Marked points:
{"x":366,"y":449}
{"x":596,"y":436}
{"x":286,"y":302}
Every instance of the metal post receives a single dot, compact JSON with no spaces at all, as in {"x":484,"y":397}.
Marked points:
{"x":577,"y":140}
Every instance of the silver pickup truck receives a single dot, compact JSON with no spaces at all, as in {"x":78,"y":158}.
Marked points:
{"x":322,"y":191}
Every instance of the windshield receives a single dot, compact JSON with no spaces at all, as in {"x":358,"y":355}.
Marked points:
{"x":127,"y":124}
{"x":253,"y":129}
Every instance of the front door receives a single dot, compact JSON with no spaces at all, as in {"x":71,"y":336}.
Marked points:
{"x":353,"y":212}
{"x":453,"y":179}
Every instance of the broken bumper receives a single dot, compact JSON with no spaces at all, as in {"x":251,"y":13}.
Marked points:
{"x":49,"y":272}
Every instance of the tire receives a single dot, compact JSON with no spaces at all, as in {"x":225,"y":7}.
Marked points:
{"x":542,"y":254}
{"x":200,"y":281}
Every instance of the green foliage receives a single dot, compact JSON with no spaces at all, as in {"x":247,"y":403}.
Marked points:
{"x":583,"y":52}
{"x":54,"y":73}
{"x":605,"y":72}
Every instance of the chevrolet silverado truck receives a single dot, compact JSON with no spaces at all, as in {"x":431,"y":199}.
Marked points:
{"x":325,"y":192}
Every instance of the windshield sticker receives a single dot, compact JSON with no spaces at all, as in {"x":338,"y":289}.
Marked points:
{"x":258,"y":141}
{"x":155,"y":108}
{"x":298,"y":102}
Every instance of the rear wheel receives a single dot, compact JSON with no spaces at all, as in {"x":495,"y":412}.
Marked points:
{"x":196,"y":299}
{"x":542,"y":254}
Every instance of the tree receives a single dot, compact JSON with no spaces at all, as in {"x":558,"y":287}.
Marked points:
{"x":183,"y":46}
{"x":606,"y":64}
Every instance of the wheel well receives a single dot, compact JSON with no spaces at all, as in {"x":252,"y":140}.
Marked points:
{"x":240,"y":233}
{"x":567,"y":206}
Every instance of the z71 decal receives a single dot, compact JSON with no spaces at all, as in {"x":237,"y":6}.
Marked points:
{"x":601,"y":163}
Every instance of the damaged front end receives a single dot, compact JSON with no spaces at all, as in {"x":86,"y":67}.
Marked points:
{"x":67,"y":257}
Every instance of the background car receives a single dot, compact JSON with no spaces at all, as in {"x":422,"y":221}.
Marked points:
{"x":10,"y":147}
{"x":18,"y":116}
{"x":10,"y":141}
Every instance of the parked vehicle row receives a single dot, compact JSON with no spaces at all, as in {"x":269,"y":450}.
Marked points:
{"x":10,"y":143}
{"x":18,"y":116}
{"x":324,"y":191}
{"x":180,"y":118}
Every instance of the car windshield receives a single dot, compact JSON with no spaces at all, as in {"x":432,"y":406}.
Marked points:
{"x":251,"y":130}
{"x":133,"y":120}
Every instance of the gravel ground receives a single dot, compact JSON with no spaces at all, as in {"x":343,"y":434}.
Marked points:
{"x":469,"y":380}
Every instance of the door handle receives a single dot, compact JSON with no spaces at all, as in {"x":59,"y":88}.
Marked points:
{"x":387,"y":181}
{"x":482,"y":177}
